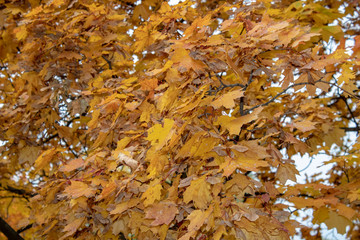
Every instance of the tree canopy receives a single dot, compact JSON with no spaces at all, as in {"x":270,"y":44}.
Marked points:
{"x":148,"y":120}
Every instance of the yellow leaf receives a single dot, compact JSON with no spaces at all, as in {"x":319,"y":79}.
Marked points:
{"x":346,"y":75}
{"x":190,"y":146}
{"x":227,"y":100}
{"x":21,"y":32}
{"x":250,"y":163}
{"x":167,"y":99}
{"x":94,"y":38}
{"x":243,"y":162}
{"x":121,"y":144}
{"x":304,"y":38}
{"x":221,"y":230}
{"x":198,"y":192}
{"x":185,"y":61}
{"x":153,"y":193}
{"x":204,"y":146}
{"x":167,"y":65}
{"x":117,"y":17}
{"x":199,"y":22}
{"x":197,"y":218}
{"x":157,"y":163}
{"x":320,"y":215}
{"x":233,"y":125}
{"x":44,"y":159}
{"x":123,"y":206}
{"x":158,"y":134}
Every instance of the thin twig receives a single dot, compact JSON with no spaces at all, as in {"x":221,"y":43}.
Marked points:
{"x":351,"y":113}
{"x":108,"y":62}
{"x":277,"y":95}
{"x":21,"y":192}
{"x":351,"y":129}
{"x":69,"y":148}
{"x":24,"y":228}
{"x":311,"y":159}
{"x":334,"y":85}
{"x":242,"y":106}
{"x":7,"y":209}
{"x":250,"y":80}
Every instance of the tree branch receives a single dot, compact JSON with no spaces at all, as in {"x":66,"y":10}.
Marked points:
{"x":351,"y":129}
{"x":277,"y":95}
{"x":21,"y":192}
{"x":334,"y":85}
{"x":24,"y":228}
{"x":8,"y":231}
{"x":108,"y":62}
{"x":351,"y":113}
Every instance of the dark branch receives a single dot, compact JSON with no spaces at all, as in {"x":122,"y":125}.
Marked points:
{"x":51,"y":137}
{"x":69,"y":148}
{"x":8,"y":231}
{"x":108,"y":62}
{"x":21,"y":192}
{"x":351,"y":129}
{"x":334,"y":85}
{"x":277,"y":95}
{"x":351,"y":112}
{"x":24,"y":228}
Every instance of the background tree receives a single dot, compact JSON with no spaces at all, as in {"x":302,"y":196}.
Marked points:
{"x":137,"y":119}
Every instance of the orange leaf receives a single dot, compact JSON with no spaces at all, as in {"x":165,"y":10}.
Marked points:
{"x":227,"y":100}
{"x":305,"y":125}
{"x":163,"y":213}
{"x":78,"y":189}
{"x":123,"y":206}
{"x":72,"y":227}
{"x":72,"y":165}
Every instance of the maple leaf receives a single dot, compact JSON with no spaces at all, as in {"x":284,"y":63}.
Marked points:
{"x":45,"y":158}
{"x":227,"y":100}
{"x":234,"y":124}
{"x":72,"y":227}
{"x":123,"y":206}
{"x":286,"y":172}
{"x":29,"y":154}
{"x":150,"y":121}
{"x":163,"y":213}
{"x":152,"y":194}
{"x":185,"y":61}
{"x":198,"y":192}
{"x":158,"y":134}
{"x":197,"y":218}
{"x":305,"y":126}
{"x":72,"y":165}
{"x":78,"y":189}
{"x":337,"y":221}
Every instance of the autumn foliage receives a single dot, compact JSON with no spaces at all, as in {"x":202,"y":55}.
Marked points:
{"x":143,"y":120}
